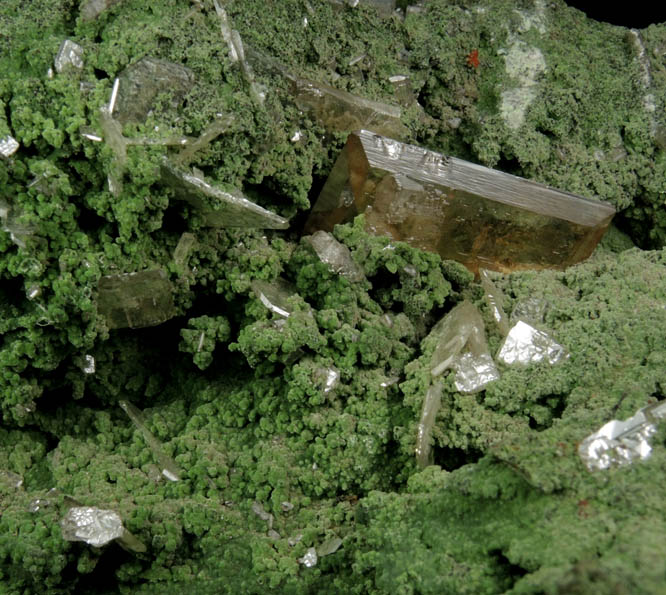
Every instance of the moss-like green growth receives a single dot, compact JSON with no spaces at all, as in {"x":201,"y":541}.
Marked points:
{"x":295,"y":432}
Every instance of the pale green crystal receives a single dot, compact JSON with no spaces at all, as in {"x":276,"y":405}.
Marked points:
{"x":335,"y":255}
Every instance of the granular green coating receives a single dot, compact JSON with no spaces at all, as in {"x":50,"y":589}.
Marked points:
{"x":248,"y":413}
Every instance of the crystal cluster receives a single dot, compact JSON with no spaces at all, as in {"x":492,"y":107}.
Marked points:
{"x":619,"y":443}
{"x":97,"y":527}
{"x":135,"y":300}
{"x":481,"y":217}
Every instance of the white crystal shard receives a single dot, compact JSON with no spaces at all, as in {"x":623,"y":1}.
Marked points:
{"x":8,"y":146}
{"x":69,"y":54}
{"x":332,"y":379}
{"x":619,"y":443}
{"x":12,"y":479}
{"x":89,"y":365}
{"x":168,"y":466}
{"x":526,"y":345}
{"x":429,"y":410}
{"x":286,"y":506}
{"x":335,"y":255}
{"x":275,"y":295}
{"x":474,"y":372}
{"x":93,"y":525}
{"x":310,"y":558}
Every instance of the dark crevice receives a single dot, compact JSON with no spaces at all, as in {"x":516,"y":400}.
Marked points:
{"x":451,"y":459}
{"x":509,"y":572}
{"x":640,"y":15}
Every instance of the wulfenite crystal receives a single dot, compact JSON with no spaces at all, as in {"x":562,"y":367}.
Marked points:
{"x":462,"y":211}
{"x":619,"y":443}
{"x":135,"y":300}
{"x":228,"y":208}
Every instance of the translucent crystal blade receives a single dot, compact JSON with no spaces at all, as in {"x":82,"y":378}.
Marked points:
{"x":340,"y":111}
{"x":619,"y":443}
{"x":452,"y":333}
{"x":429,"y":409}
{"x":230,"y":209}
{"x":474,"y":372}
{"x":143,"y":81}
{"x":336,"y":255}
{"x":168,"y":466}
{"x":495,"y":300}
{"x":135,"y":300}
{"x":275,"y":295}
{"x":462,"y":211}
{"x":526,"y":345}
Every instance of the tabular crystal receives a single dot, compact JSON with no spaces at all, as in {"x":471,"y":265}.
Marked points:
{"x":460,"y":210}
{"x":622,"y":442}
{"x":526,"y":345}
{"x":70,"y":55}
{"x":94,"y":526}
{"x":135,"y":300}
{"x":336,"y":255}
{"x":8,"y":146}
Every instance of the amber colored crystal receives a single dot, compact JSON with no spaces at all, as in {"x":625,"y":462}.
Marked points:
{"x":481,"y":217}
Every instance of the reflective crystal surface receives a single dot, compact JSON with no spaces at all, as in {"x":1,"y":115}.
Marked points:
{"x":143,"y":81}
{"x":526,"y":345}
{"x":275,"y":295}
{"x":229,"y":209}
{"x":481,"y":217}
{"x":474,"y":371}
{"x":531,"y":310}
{"x":330,"y":546}
{"x":336,"y":255}
{"x":88,"y":364}
{"x":310,"y":558}
{"x":429,"y":409}
{"x":70,"y":55}
{"x":452,"y":333}
{"x":135,"y":300}
{"x":168,"y":466}
{"x":183,"y":249}
{"x":619,"y":443}
{"x":340,"y":111}
{"x":93,"y":525}
{"x":8,"y":146}
{"x":91,"y":9}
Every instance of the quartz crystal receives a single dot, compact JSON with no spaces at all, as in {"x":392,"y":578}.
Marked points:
{"x":336,"y":255}
{"x":526,"y":345}
{"x":182,"y":251}
{"x":275,"y":295}
{"x":340,"y":111}
{"x":460,"y":210}
{"x":143,"y":81}
{"x":70,"y":55}
{"x":168,"y":466}
{"x":229,"y":208}
{"x":619,"y":443}
{"x":135,"y":300}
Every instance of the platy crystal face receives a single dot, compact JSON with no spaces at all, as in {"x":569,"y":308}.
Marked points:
{"x":526,"y":345}
{"x":135,"y":300}
{"x":70,"y":55}
{"x":474,"y":372}
{"x":94,"y":526}
{"x":481,"y":217}
{"x":309,"y":559}
{"x":275,"y":295}
{"x":143,"y":81}
{"x":336,"y":255}
{"x":619,"y":443}
{"x":228,"y":209}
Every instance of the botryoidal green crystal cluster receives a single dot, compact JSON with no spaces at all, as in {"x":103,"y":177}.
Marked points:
{"x":196,"y":397}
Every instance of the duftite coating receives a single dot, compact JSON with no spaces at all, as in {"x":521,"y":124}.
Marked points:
{"x":197,"y":395}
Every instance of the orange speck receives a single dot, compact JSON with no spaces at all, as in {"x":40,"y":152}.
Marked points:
{"x":473,"y":59}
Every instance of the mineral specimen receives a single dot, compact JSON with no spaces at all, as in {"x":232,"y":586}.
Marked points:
{"x":8,"y":146}
{"x":275,"y":295}
{"x":429,"y":409}
{"x":460,"y":210}
{"x":336,"y":255}
{"x":527,"y":345}
{"x":230,"y":209}
{"x":143,"y":81}
{"x":70,"y":55}
{"x":97,"y":527}
{"x":495,"y":301}
{"x":619,"y":443}
{"x":135,"y":300}
{"x":168,"y":466}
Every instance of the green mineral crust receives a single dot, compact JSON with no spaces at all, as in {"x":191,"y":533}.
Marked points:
{"x":198,"y":395}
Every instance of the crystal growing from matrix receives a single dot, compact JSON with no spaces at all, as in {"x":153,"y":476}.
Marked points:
{"x":526,"y":345}
{"x":466,"y":212}
{"x":94,"y":526}
{"x":135,"y":300}
{"x":336,"y":255}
